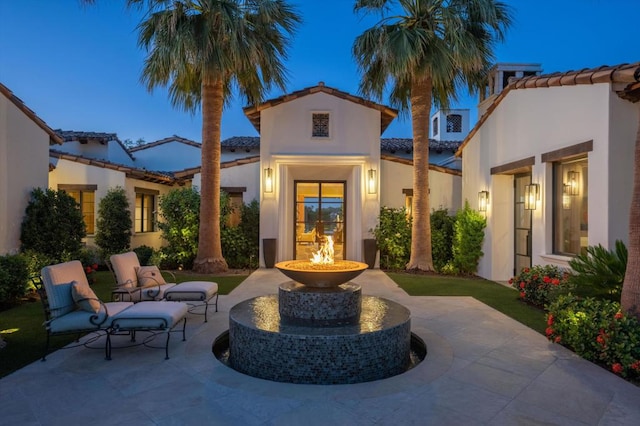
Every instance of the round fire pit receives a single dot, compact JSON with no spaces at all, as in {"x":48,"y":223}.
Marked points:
{"x":313,"y":275}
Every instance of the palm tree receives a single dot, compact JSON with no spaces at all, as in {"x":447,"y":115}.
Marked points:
{"x":630,"y":298}
{"x":202,"y":50}
{"x":426,"y":53}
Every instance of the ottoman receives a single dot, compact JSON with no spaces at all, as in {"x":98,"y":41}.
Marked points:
{"x":159,"y":316}
{"x":194,"y":291}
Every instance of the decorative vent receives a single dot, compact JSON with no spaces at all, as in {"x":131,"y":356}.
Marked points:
{"x":320,"y":125}
{"x":454,"y":123}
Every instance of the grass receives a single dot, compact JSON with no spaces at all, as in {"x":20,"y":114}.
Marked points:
{"x":499,"y":297}
{"x":21,"y":326}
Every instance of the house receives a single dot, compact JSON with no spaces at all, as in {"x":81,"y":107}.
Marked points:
{"x":319,"y":167}
{"x":550,"y":163}
{"x":323,"y":171}
{"x":24,"y":163}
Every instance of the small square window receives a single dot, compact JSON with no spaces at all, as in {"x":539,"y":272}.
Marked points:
{"x":320,"y":127}
{"x":454,"y":123}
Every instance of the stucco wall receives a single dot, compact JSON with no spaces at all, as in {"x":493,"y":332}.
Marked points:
{"x":445,"y":188}
{"x":288,"y":148}
{"x":24,"y":164}
{"x":531,"y":122}
{"x":168,"y":156}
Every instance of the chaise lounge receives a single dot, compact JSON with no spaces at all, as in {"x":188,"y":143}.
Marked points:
{"x":136,"y":283}
{"x":71,"y":307}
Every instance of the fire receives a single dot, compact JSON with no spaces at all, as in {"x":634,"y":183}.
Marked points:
{"x":324,"y":256}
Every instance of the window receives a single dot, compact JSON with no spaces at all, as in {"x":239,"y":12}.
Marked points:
{"x":320,"y":128}
{"x":506,"y":75}
{"x":145,"y":210}
{"x":85,"y":196}
{"x":236,"y":203}
{"x":454,"y":123}
{"x":570,"y":209}
{"x":408,"y":201}
{"x":435,"y":127}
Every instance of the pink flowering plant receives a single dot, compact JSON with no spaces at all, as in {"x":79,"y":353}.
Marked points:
{"x":540,"y":285}
{"x":598,"y":331}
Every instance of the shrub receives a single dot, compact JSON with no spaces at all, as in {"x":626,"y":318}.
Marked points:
{"x":541,"y":285}
{"x":113,"y":226}
{"x":600,"y":269}
{"x":180,"y":214}
{"x":36,"y":261}
{"x":237,"y":249}
{"x":14,"y":278}
{"x":393,"y":237}
{"x":144,"y":253}
{"x":598,"y":331}
{"x":53,"y":225}
{"x":442,"y":229}
{"x":467,"y":242}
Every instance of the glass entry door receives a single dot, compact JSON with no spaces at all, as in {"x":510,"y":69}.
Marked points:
{"x":319,"y":212}
{"x":522,"y":223}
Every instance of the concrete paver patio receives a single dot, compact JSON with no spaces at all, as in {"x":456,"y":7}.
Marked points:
{"x":482,"y":367}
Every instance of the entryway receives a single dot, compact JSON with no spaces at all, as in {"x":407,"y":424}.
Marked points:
{"x":522,"y":224}
{"x":319,"y":212}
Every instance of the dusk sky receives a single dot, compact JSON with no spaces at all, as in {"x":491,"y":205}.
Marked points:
{"x":78,"y":67}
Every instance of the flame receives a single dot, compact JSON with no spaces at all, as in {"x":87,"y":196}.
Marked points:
{"x":324,"y":256}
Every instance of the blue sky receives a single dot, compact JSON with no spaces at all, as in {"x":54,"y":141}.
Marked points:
{"x":78,"y":67}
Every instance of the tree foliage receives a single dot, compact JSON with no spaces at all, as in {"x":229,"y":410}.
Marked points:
{"x":468,"y":238}
{"x":113,"y":226}
{"x":53,"y":225}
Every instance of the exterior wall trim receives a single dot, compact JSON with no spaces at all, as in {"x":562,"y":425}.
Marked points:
{"x":514,"y":167}
{"x":567,"y":152}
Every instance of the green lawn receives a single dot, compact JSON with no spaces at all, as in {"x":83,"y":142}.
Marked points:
{"x":22,"y":329}
{"x":499,"y":297}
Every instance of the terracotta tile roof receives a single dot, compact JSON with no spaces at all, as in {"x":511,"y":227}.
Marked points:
{"x":393,"y":145}
{"x":174,"y":138}
{"x":53,"y":137}
{"x":241,"y":142}
{"x":165,"y":178}
{"x":86,"y":137}
{"x":628,"y":74}
{"x":387,"y":114}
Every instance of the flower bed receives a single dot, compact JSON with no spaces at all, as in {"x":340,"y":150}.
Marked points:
{"x":597,"y":331}
{"x":540,"y":285}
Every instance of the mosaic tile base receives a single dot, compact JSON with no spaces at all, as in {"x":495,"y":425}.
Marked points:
{"x":334,"y":306}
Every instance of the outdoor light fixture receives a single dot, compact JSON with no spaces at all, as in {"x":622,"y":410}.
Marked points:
{"x":268,"y":180}
{"x":531,"y":196}
{"x":372,"y":182}
{"x":573,"y":184}
{"x":483,"y":200}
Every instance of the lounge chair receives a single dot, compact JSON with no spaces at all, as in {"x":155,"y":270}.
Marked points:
{"x":71,"y":307}
{"x":137,"y":283}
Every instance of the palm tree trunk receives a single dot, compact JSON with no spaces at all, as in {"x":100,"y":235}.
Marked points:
{"x":630,"y":299}
{"x":421,"y":257}
{"x":209,"y":259}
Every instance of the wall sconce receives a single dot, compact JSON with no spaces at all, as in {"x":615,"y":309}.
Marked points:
{"x":372,"y":182}
{"x":268,"y":180}
{"x":573,"y":184}
{"x":531,"y":196}
{"x":483,"y":200}
{"x":566,"y":199}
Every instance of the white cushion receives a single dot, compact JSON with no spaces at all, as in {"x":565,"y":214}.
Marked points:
{"x":150,"y":315}
{"x":82,"y":320}
{"x":84,"y":297}
{"x":124,"y":266}
{"x":149,"y":275}
{"x":57,"y":281}
{"x":192,"y":290}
